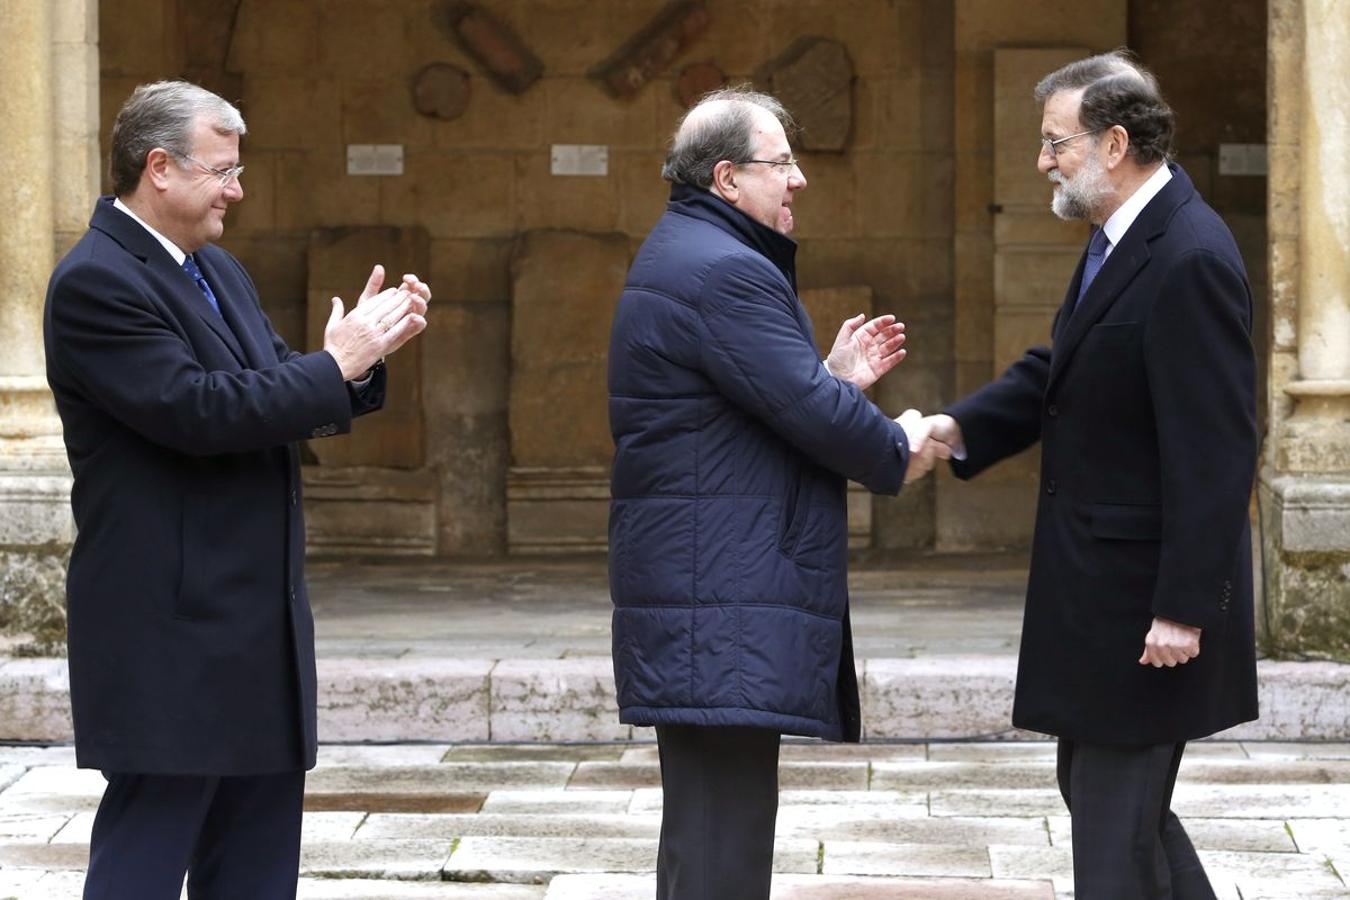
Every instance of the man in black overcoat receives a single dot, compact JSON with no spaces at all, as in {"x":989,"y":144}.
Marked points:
{"x":1138,"y":633}
{"x":191,"y":640}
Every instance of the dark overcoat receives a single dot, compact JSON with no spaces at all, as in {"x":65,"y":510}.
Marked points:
{"x":728,"y":526}
{"x":190,"y":632}
{"x":1146,"y":413}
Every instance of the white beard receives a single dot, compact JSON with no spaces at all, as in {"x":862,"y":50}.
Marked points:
{"x":1079,"y":197}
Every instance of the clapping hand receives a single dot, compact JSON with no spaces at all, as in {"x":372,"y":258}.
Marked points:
{"x":381,"y":322}
{"x":864,"y":351}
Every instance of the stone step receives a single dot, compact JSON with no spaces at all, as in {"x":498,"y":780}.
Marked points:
{"x":551,"y":700}
{"x":815,"y":887}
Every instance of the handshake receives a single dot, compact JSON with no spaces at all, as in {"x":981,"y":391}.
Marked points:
{"x":931,"y":438}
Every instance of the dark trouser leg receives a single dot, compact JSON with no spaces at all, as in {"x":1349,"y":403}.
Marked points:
{"x":720,"y":788}
{"x":234,"y":837}
{"x":143,"y":836}
{"x":1127,"y":844}
{"x":250,"y":842}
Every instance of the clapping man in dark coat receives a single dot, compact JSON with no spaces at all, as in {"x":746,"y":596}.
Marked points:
{"x":728,"y":528}
{"x":191,"y":639}
{"x":1138,"y":633}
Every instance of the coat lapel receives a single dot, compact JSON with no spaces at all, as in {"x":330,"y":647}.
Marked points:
{"x":185,"y":295}
{"x":1121,"y":267}
{"x":237,"y":308}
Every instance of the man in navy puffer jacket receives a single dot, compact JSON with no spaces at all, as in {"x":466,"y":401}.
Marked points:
{"x":728,"y":527}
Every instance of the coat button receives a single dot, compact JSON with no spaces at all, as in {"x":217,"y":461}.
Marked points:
{"x":1053,"y":410}
{"x":1051,"y":487}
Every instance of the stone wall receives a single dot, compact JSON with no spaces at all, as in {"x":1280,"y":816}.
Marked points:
{"x":312,"y":76}
{"x":903,"y":209}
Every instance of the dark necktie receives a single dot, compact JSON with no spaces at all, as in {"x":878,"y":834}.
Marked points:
{"x":195,"y":273}
{"x":1096,"y":255}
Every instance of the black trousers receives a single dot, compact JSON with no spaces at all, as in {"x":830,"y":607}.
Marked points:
{"x":720,"y":790}
{"x":1127,"y":842}
{"x":234,"y":837}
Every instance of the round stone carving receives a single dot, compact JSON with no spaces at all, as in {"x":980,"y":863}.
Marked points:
{"x":441,"y":91}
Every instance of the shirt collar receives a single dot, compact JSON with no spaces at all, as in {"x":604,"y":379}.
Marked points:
{"x":174,"y":251}
{"x":1123,"y":218}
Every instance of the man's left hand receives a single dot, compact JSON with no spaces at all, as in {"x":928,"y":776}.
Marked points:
{"x":1170,"y":644}
{"x":864,"y":351}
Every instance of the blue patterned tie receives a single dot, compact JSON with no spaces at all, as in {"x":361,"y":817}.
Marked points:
{"x":1096,"y":255}
{"x":190,"y":267}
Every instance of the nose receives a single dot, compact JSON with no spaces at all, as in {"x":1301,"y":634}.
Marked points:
{"x":234,"y":190}
{"x":1046,"y":160}
{"x":796,"y":178}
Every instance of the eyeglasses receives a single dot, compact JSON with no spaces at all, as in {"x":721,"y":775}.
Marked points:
{"x":786,"y":164}
{"x":1053,"y":146}
{"x":225,"y":175}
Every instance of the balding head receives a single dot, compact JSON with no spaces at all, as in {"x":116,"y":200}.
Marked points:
{"x":721,"y":126}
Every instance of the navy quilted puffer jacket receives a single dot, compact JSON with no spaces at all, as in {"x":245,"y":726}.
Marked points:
{"x":728,"y":527}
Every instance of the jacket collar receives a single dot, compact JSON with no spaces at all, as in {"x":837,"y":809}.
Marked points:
{"x":1120,"y":268}
{"x":698,"y":203}
{"x":140,"y":243}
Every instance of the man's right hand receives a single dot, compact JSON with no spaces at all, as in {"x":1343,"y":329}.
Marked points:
{"x":931,"y":438}
{"x":378,"y":325}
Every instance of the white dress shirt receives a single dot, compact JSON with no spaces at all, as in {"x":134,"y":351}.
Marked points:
{"x":1123,"y":218}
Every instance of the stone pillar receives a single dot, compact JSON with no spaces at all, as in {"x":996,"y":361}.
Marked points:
{"x":48,"y":180}
{"x":1305,"y":482}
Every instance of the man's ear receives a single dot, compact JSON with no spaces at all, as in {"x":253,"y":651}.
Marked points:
{"x":1117,"y":145}
{"x":157,"y":163}
{"x":724,"y":181}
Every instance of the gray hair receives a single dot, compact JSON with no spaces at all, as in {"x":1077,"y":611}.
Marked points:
{"x":706,"y":137}
{"x":162,"y":115}
{"x":1117,"y":90}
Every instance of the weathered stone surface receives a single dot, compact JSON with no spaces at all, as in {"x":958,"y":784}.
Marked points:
{"x":30,"y":827}
{"x":559,"y":343}
{"x":369,"y":509}
{"x":615,"y":776}
{"x":526,"y":860}
{"x":697,"y":79}
{"x":558,"y":802}
{"x":339,"y":262}
{"x":381,"y":754}
{"x":934,"y":699}
{"x":33,"y":591}
{"x":526,"y":825}
{"x":906,"y":825}
{"x":441,"y":91}
{"x":35,"y":700}
{"x":494,"y":45}
{"x":1299,"y":700}
{"x":437,"y":700}
{"x":995,"y":803}
{"x":555,"y":700}
{"x":814,"y":887}
{"x":814,"y":79}
{"x":375,"y":889}
{"x":647,"y":53}
{"x":1246,"y":835}
{"x":410,"y":860}
{"x":870,"y":858}
{"x":915,"y":776}
{"x":534,"y":752}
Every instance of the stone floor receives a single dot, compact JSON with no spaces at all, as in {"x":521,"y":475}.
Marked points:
{"x":924,"y":605}
{"x":935,"y":821}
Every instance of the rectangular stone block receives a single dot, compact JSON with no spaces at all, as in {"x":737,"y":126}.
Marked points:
{"x":878,"y":858}
{"x":924,"y":698}
{"x":556,"y":700}
{"x":557,"y":510}
{"x":380,"y":700}
{"x":339,"y":262}
{"x":35,"y":700}
{"x":406,"y":860}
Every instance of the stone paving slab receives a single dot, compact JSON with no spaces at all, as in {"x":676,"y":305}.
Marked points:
{"x":905,"y":825}
{"x":560,"y":802}
{"x":419,"y":699}
{"x":381,"y":755}
{"x":369,"y":889}
{"x":814,"y":887}
{"x":395,"y":860}
{"x":536,"y":860}
{"x":895,"y":858}
{"x":933,"y":775}
{"x":558,"y":700}
{"x":1251,"y":835}
{"x":386,"y":826}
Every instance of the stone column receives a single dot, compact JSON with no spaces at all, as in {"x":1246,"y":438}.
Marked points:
{"x":1305,"y":485}
{"x":48,"y":171}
